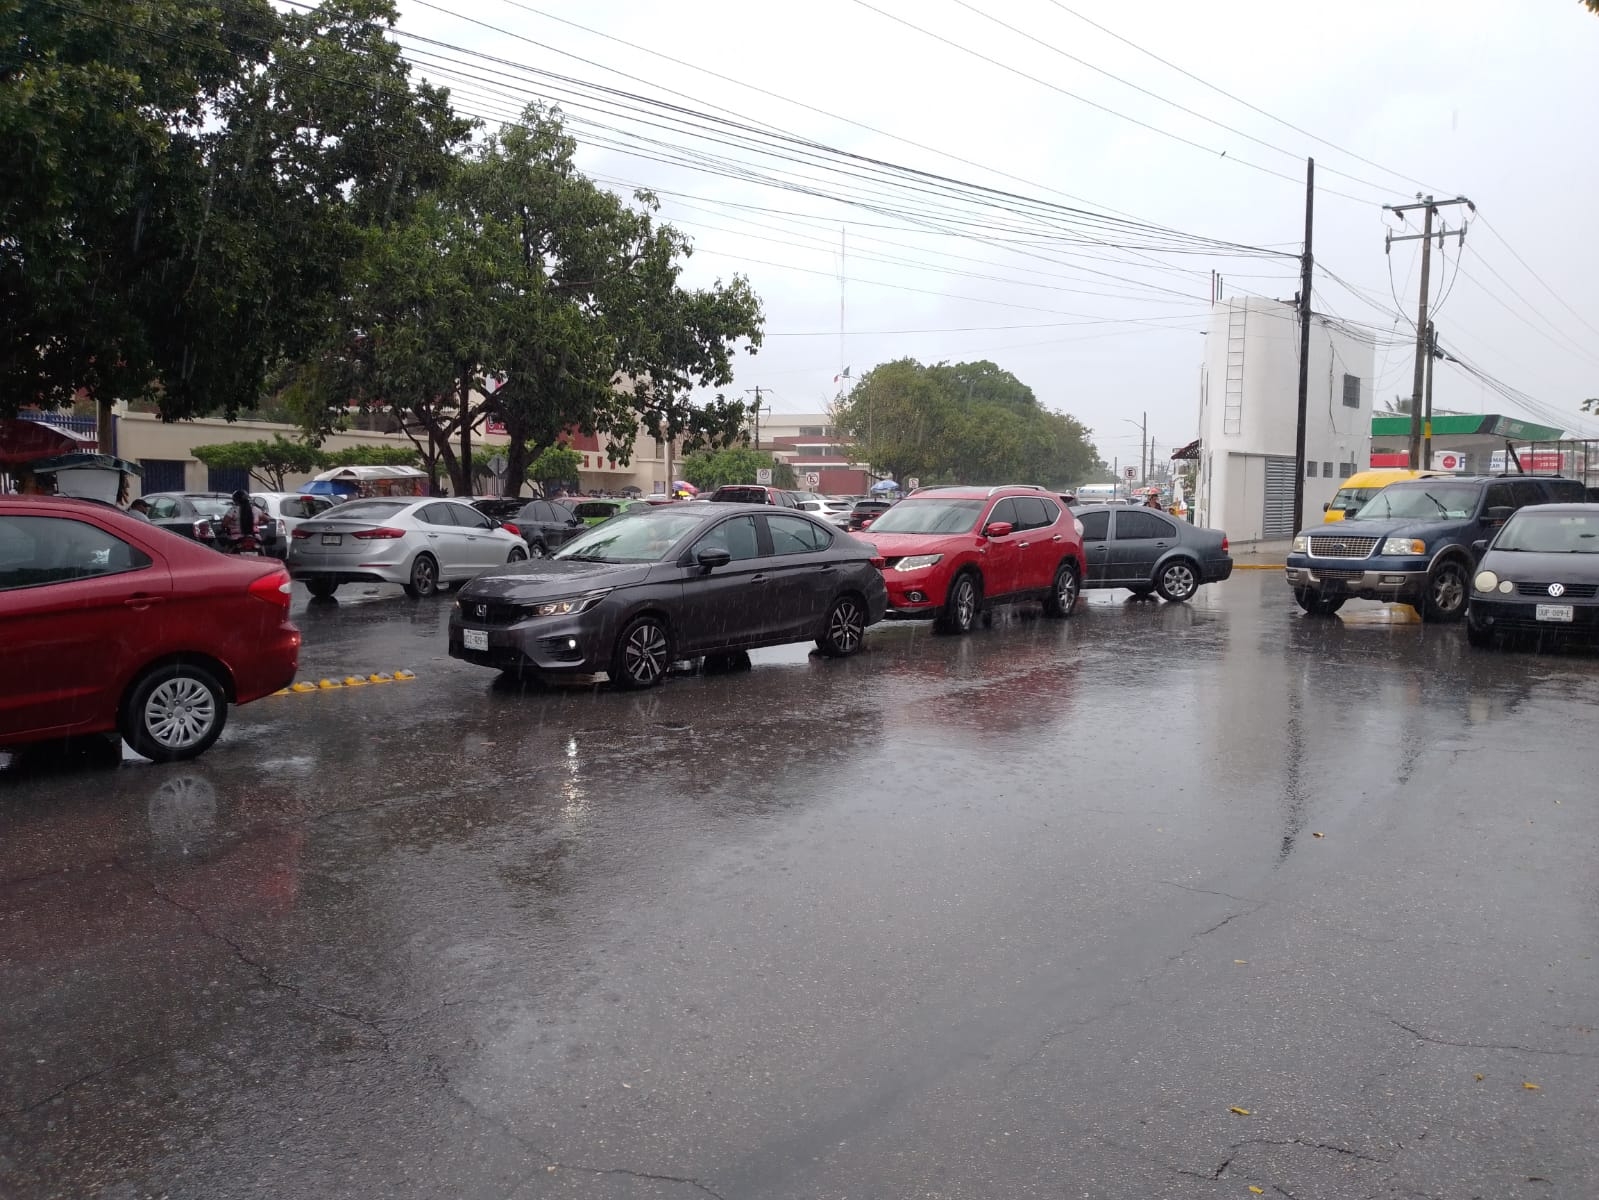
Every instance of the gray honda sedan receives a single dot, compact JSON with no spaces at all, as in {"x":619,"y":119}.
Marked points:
{"x":644,"y":590}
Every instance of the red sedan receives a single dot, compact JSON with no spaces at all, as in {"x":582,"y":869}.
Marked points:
{"x":108,"y":623}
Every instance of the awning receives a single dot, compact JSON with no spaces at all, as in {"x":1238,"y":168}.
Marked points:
{"x":1189,"y":451}
{"x":23,"y":442}
{"x":80,"y":460}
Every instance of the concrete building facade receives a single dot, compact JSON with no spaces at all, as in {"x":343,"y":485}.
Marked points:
{"x":810,"y":444}
{"x":1249,"y":387}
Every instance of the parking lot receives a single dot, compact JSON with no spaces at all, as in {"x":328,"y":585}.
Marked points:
{"x":1161,"y":901}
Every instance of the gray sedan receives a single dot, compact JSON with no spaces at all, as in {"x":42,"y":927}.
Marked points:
{"x":643,"y":590}
{"x":418,"y":543}
{"x":1144,"y":551}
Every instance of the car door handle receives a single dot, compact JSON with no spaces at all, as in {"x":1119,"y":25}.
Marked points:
{"x":141,"y":602}
{"x":1023,"y":545}
{"x":1161,"y":545}
{"x":1057,"y":538}
{"x":433,"y":535}
{"x":757,"y":578}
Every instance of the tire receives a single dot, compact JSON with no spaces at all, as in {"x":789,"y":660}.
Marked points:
{"x":962,"y":606}
{"x":1448,"y":588}
{"x":844,"y":630}
{"x":321,"y":588}
{"x":1063,"y":592}
{"x":643,"y":653}
{"x":1482,"y":639}
{"x":174,"y":712}
{"x":536,"y":550}
{"x":1317,"y":605}
{"x":1178,"y":580}
{"x":1142,"y":590}
{"x":516,"y":555}
{"x":424,"y":577}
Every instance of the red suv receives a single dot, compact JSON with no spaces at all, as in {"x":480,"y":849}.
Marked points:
{"x":949,"y":551}
{"x":111,"y":623}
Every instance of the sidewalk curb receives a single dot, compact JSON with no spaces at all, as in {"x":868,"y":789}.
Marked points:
{"x":1238,"y":566}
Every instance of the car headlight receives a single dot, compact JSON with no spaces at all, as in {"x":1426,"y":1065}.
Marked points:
{"x":1506,"y":586}
{"x":916,"y":562}
{"x":1486,"y":581}
{"x":1404,"y":546}
{"x":1301,"y":544}
{"x":567,"y":608}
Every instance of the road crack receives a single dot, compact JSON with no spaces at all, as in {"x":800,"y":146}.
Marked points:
{"x":1438,"y":1041}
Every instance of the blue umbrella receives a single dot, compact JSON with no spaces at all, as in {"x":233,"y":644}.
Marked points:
{"x":328,"y":487}
{"x":884,"y":485}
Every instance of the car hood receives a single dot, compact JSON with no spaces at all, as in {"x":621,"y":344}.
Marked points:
{"x":897,"y":545}
{"x":553,"y":577}
{"x":1394,"y":527}
{"x":1525,"y":566}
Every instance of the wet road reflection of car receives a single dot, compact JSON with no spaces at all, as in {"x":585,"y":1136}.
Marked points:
{"x":646,"y":589}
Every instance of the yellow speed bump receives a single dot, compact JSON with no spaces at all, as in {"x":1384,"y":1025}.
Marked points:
{"x":303,"y":687}
{"x":348,"y":681}
{"x":380,"y":677}
{"x":326,"y":685}
{"x":354,"y":681}
{"x":405,"y":675}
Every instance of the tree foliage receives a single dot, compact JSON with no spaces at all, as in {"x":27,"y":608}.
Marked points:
{"x":708,"y":469}
{"x":556,"y":465}
{"x":961,"y":423}
{"x":370,"y":456}
{"x":270,"y":461}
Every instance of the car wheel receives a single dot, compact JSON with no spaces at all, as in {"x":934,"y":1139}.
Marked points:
{"x":1178,"y":581}
{"x":517,"y":554}
{"x":174,"y":712}
{"x":535,"y":550}
{"x":1063,"y":592}
{"x":1478,"y":636}
{"x":1317,"y":605}
{"x":1446,"y":594}
{"x":1142,"y":590}
{"x":424,"y":577}
{"x":962,"y":606}
{"x":321,"y":588}
{"x":643,"y":653}
{"x":845,"y":628}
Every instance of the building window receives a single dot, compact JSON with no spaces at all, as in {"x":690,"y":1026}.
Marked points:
{"x":1351,"y":391}
{"x":1326,"y":469}
{"x":1345,"y":470}
{"x":1310,"y":468}
{"x":811,"y":431}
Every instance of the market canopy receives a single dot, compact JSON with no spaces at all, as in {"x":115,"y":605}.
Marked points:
{"x":23,"y":442}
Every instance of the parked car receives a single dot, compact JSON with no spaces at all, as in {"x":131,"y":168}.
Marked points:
{"x":1145,"y":551}
{"x":194,"y":515}
{"x":752,"y":493}
{"x":950,"y":551}
{"x":1538,"y":575}
{"x":634,"y":595}
{"x":111,"y":624}
{"x":1414,"y":542}
{"x":865,"y":512}
{"x":417,"y":543}
{"x":1360,"y":487}
{"x":284,"y":511}
{"x":499,"y":508}
{"x":592,"y":512}
{"x":547,"y":525}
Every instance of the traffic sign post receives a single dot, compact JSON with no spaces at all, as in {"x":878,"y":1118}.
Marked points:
{"x":1132,"y":472}
{"x":763,"y":476}
{"x":813,"y":480}
{"x":913,"y":483}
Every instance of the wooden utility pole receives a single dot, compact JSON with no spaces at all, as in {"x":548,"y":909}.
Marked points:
{"x":1306,"y":263}
{"x":757,"y":410}
{"x":1426,"y":425}
{"x":1429,"y":208}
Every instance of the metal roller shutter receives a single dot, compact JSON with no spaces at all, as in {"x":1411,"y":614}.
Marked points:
{"x":1278,"y":521}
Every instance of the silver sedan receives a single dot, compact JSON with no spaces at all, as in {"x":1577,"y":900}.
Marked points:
{"x":419,"y":543}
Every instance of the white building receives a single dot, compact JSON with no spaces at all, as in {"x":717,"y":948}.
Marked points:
{"x":1249,"y":390}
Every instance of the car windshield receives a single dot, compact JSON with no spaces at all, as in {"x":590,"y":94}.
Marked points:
{"x":595,"y":508}
{"x":208,"y":506}
{"x":740,"y":495}
{"x":631,"y":538}
{"x":1349,"y":499}
{"x":1551,"y":533}
{"x":368,"y":510}
{"x":929,"y":516}
{"x":1426,"y":501}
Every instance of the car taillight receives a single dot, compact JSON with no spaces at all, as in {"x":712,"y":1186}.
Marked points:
{"x":301,"y":534}
{"x":382,"y":533}
{"x":203,"y":531}
{"x":511,"y":529}
{"x":1224,"y":541}
{"x":273,"y":588}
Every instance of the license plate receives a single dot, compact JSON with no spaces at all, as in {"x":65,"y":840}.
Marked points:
{"x":1555,"y":612}
{"x":333,"y":539}
{"x":474,"y":639}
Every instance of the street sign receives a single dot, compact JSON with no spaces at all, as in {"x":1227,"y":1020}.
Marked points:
{"x":1132,"y":472}
{"x":497,"y":465}
{"x":1448,"y":460}
{"x":913,"y":483}
{"x":763,"y":476}
{"x":813,"y":479}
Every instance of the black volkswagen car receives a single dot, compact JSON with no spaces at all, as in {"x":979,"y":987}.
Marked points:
{"x":1539,"y":576}
{"x":1144,"y":550}
{"x":644,"y":590}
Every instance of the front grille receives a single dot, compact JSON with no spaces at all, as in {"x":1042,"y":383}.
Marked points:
{"x":1574,"y":591}
{"x":1342,"y":547}
{"x":490,"y":613}
{"x":1347,"y":576}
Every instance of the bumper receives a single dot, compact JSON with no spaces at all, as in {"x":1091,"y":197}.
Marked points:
{"x":1367,"y":578}
{"x":1217,"y":570}
{"x":270,"y":666}
{"x":350,"y":575}
{"x":915,"y":595}
{"x":570,"y":646}
{"x":1521,"y":616}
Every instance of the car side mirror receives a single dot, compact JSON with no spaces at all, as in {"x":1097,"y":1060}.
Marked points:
{"x":1479,"y":548}
{"x":1326,"y":507}
{"x":1500,"y":513}
{"x":866,"y":522}
{"x":714,"y":556}
{"x":998,"y":529}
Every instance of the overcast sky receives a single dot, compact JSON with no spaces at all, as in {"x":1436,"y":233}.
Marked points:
{"x":1490,"y":100}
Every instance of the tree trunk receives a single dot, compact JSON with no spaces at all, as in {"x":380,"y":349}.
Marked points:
{"x":517,"y":457}
{"x":105,"y":423}
{"x":465,"y":484}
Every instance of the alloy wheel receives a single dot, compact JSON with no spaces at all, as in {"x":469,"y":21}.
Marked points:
{"x":965,"y":603}
{"x":644,"y":655}
{"x":1180,"y":581}
{"x":846,"y":626}
{"x":1066,"y":589}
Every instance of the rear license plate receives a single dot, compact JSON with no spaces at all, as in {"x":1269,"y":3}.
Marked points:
{"x":1555,"y":612}
{"x":333,"y":539}
{"x":474,"y":639}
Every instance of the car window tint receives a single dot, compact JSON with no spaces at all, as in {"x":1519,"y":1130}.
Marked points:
{"x":43,"y":550}
{"x":1032,"y":512}
{"x":437,"y":514}
{"x":469,"y":517}
{"x":1096,"y":526}
{"x":1527,"y":491}
{"x":164,"y":508}
{"x":1005,"y":510}
{"x":1051,"y":510}
{"x":1499,"y":495}
{"x":369,"y":510}
{"x":1565,"y":491}
{"x":1132,"y":524}
{"x":595,"y":509}
{"x":796,"y":535}
{"x":736,"y":536}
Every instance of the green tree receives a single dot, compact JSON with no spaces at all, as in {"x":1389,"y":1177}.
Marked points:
{"x":556,"y":465}
{"x":897,"y":416}
{"x":267,"y":461}
{"x":371,"y":456}
{"x":709,"y":469}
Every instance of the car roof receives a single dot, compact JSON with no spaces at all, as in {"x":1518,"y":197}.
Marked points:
{"x":975,"y":492}
{"x":1570,"y":507}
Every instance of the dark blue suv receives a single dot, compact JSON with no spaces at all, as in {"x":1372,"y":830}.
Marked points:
{"x":1413,"y":542}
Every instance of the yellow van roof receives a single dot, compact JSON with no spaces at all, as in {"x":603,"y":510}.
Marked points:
{"x":1383,"y":476}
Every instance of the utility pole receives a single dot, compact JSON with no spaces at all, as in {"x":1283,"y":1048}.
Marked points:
{"x":1306,"y":263}
{"x":1143,"y":450}
{"x":757,"y":392}
{"x":1426,"y":427}
{"x":1429,"y":208}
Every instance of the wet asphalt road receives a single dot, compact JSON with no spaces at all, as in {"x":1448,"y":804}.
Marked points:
{"x":1032,"y":913}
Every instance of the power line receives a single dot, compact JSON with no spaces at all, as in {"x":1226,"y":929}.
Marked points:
{"x":1488,"y":225}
